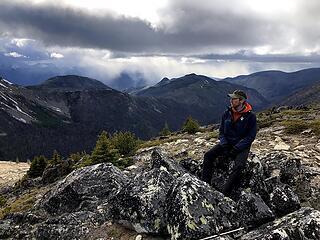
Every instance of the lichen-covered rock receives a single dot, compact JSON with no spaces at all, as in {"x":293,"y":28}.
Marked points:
{"x":195,"y":210}
{"x":283,"y":200}
{"x":97,"y":182}
{"x":301,"y":224}
{"x":252,"y":211}
{"x":141,"y":203}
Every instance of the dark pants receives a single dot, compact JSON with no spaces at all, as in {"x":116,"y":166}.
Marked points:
{"x":211,"y":160}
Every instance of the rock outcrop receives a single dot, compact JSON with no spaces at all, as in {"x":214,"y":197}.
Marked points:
{"x":163,"y":196}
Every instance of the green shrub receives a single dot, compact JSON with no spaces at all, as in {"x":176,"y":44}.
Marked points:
{"x":125,"y":142}
{"x":38,"y":164}
{"x":3,"y":201}
{"x":191,"y":126}
{"x":315,"y":126}
{"x":22,"y":203}
{"x":104,"y":150}
{"x":295,"y":126}
{"x":165,"y":131}
{"x":213,"y":134}
{"x":122,"y":163}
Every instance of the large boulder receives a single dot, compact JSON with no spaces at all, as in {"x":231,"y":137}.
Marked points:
{"x":301,"y":224}
{"x":93,"y":183}
{"x":195,"y":210}
{"x":141,"y":203}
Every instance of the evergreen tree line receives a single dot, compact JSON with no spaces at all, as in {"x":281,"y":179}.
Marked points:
{"x":116,"y":149}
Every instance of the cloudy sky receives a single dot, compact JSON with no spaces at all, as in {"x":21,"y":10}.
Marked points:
{"x":161,"y":38}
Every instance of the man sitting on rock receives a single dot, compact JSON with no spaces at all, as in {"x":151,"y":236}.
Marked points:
{"x":237,"y":131}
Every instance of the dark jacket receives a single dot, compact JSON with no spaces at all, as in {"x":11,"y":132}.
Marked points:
{"x":239,"y":134}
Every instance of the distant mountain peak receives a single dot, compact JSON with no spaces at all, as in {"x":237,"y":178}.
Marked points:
{"x":163,"y":81}
{"x":5,"y":81}
{"x":71,"y":83}
{"x":191,"y":74}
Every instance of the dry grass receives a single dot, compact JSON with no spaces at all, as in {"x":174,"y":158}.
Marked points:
{"x":11,"y":172}
{"x":20,"y":204}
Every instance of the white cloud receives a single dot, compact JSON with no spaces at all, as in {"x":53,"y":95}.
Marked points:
{"x":56,"y":55}
{"x":15,"y":55}
{"x":21,"y":42}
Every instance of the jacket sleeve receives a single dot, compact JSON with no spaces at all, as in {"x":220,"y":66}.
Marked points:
{"x":250,"y":136}
{"x":223,"y":140}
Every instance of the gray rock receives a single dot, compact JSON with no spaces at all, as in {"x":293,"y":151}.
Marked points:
{"x":299,"y":225}
{"x":141,"y":203}
{"x":192,"y":166}
{"x":195,"y":210}
{"x":160,"y":158}
{"x":97,"y":182}
{"x":68,"y":226}
{"x":290,"y":171}
{"x":253,"y":178}
{"x":6,"y":229}
{"x":283,"y":200}
{"x":252,"y":210}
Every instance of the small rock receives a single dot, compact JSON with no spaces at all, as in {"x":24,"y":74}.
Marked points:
{"x":281,"y":146}
{"x":307,"y":131}
{"x":300,"y":147}
{"x":283,"y":200}
{"x":138,"y":237}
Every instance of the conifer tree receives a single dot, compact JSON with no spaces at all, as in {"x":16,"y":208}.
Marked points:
{"x":166,"y":130}
{"x":190,"y":126}
{"x":38,"y":164}
{"x":56,"y":158}
{"x":125,"y":142}
{"x":104,"y":150}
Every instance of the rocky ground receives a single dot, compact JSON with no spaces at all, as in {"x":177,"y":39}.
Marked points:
{"x":161,"y":196}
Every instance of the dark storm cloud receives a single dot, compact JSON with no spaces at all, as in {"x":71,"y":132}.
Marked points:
{"x":56,"y":25}
{"x":186,"y":26}
{"x":247,"y":56}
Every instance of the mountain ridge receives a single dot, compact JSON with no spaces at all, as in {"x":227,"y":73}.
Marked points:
{"x":277,"y":85}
